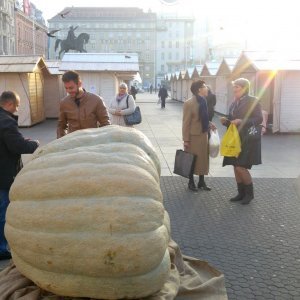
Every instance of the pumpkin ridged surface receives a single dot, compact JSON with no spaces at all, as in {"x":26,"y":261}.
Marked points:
{"x":86,"y":217}
{"x":109,"y":288}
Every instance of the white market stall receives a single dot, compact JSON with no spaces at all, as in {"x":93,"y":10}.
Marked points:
{"x":25,"y":76}
{"x":101,"y":73}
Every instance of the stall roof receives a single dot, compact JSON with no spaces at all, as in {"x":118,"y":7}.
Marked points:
{"x":20,"y":64}
{"x":269,"y":61}
{"x":212,"y":68}
{"x":53,"y":67}
{"x":183,"y":75}
{"x":199,"y":68}
{"x":230,"y":62}
{"x":100,"y":62}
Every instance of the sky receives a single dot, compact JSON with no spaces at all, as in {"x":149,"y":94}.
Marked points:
{"x":261,"y":23}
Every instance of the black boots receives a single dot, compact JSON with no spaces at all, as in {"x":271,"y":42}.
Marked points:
{"x":245,"y":193}
{"x":192,"y":185}
{"x":202,"y":184}
{"x":241,"y":193}
{"x":249,"y":194}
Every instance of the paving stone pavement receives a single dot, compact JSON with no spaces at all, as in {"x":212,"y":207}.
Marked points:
{"x":256,"y":246}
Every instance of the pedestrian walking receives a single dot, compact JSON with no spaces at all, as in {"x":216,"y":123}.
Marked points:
{"x":151,"y":88}
{"x":245,"y":112}
{"x":12,"y":145}
{"x":80,"y":109}
{"x":163,"y":94}
{"x":195,"y":128}
{"x":211,"y":103}
{"x":133,"y":91}
{"x":123,"y":104}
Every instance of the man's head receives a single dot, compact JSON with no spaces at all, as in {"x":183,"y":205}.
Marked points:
{"x":72,"y":83}
{"x":199,"y":88}
{"x":10,"y":101}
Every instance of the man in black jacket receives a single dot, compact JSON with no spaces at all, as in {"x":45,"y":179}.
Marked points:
{"x":12,"y":145}
{"x":163,"y":94}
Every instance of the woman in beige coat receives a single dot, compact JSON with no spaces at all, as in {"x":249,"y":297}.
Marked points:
{"x":195,"y":131}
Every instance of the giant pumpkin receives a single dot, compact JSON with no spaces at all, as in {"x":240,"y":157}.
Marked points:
{"x":86,"y":217}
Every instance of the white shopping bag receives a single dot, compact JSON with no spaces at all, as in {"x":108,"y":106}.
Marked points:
{"x":214,"y":143}
{"x":158,"y":101}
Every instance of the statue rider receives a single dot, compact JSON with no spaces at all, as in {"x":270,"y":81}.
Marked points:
{"x":71,"y":35}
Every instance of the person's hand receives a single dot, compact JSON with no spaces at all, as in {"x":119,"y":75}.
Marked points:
{"x":186,"y":145}
{"x":38,"y":142}
{"x":212,"y":126}
{"x":236,"y":122}
{"x":224,"y":120}
{"x":118,"y":112}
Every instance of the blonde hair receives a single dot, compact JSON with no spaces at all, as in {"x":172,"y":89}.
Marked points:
{"x":123,"y":85}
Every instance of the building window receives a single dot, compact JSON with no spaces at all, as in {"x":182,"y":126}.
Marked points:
{"x":162,"y":68}
{"x":163,"y":44}
{"x":177,"y":56}
{"x":170,"y":55}
{"x":177,"y":44}
{"x":170,"y":44}
{"x":162,"y":56}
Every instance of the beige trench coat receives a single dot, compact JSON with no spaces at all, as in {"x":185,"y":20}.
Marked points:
{"x":192,"y":132}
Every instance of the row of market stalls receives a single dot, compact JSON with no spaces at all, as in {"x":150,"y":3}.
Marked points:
{"x":39,"y":85}
{"x":274,"y":80}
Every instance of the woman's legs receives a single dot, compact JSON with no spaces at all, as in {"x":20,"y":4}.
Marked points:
{"x":240,"y":185}
{"x":244,"y":182}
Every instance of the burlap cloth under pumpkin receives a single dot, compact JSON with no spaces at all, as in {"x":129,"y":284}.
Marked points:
{"x":190,"y":279}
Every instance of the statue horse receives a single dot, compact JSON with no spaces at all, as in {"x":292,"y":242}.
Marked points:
{"x":77,"y":44}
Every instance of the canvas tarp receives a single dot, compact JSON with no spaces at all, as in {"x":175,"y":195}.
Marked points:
{"x":190,"y":279}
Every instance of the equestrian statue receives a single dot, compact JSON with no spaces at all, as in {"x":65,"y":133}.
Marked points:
{"x":72,"y":42}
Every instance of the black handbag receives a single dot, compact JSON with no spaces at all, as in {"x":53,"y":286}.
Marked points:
{"x":135,"y":117}
{"x":184,"y":163}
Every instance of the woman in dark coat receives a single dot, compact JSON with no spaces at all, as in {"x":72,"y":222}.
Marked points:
{"x":244,"y":112}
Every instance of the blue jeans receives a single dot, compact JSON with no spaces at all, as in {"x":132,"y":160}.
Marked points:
{"x":4,"y":201}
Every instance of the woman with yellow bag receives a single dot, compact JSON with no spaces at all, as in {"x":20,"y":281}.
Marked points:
{"x":245,"y":113}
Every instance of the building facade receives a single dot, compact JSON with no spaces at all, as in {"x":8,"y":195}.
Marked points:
{"x":175,"y":45}
{"x":111,"y":30}
{"x":7,"y":27}
{"x":31,"y":35}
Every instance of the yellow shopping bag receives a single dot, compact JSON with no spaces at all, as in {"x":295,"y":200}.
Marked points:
{"x":231,"y":142}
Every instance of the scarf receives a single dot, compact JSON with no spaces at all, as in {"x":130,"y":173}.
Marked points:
{"x":203,"y":113}
{"x":120,"y":97}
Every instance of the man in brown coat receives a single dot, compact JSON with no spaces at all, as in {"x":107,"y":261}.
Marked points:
{"x":80,"y":109}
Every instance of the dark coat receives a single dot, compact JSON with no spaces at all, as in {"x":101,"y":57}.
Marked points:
{"x":211,"y":103}
{"x":163,"y":93}
{"x":12,"y":145}
{"x":250,"y":112}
